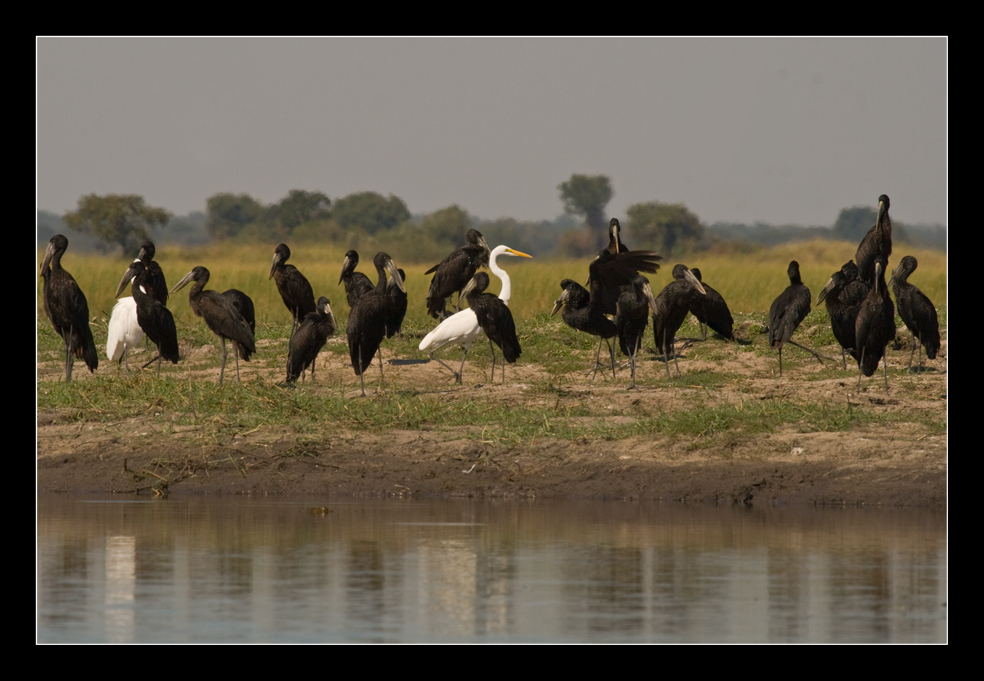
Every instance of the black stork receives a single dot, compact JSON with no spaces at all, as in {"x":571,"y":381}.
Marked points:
{"x":221,"y":315}
{"x":310,"y":337}
{"x":398,"y":305}
{"x":154,"y":282}
{"x":155,"y":320}
{"x":585,"y":310}
{"x":67,"y":308}
{"x":787,"y":311}
{"x":462,"y":327}
{"x":711,"y":310}
{"x":672,"y":307}
{"x":878,"y":241}
{"x":453,"y":273}
{"x":875,"y":326}
{"x":366,"y":325}
{"x":843,"y":295}
{"x":356,"y":283}
{"x":612,"y":275}
{"x":632,"y":318}
{"x":293,"y":286}
{"x":916,"y":310}
{"x":495,"y":320}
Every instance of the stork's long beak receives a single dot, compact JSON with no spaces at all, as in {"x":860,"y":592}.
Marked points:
{"x":131,"y":271}
{"x":395,"y":274}
{"x":273,"y":265}
{"x":181,"y":284}
{"x":49,"y":253}
{"x":694,"y":282}
{"x":649,"y":296}
{"x":345,"y":264}
{"x":822,"y":296}
{"x":559,"y":303}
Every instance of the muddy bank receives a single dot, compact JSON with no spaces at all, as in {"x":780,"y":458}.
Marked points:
{"x":882,"y":466}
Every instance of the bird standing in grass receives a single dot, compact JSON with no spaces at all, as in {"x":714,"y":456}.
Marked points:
{"x":155,"y":320}
{"x":875,"y":326}
{"x":463,"y":327}
{"x":453,"y":273}
{"x":632,"y":318}
{"x":843,"y":295}
{"x":367,"y":322}
{"x":222,"y":316}
{"x":916,"y":310}
{"x":294,"y":288}
{"x":67,"y":308}
{"x":711,"y":310}
{"x":356,"y":283}
{"x":787,"y":311}
{"x":672,"y":307}
{"x":315,"y":330}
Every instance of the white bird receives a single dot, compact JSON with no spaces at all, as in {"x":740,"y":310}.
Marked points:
{"x":462,"y":327}
{"x":124,"y":331}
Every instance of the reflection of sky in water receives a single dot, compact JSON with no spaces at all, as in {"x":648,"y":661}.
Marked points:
{"x":242,"y":570}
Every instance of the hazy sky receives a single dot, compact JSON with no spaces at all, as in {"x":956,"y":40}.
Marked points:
{"x":777,"y":130}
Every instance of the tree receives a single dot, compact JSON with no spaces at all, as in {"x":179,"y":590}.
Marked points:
{"x":301,"y":206}
{"x":227,"y":214}
{"x":664,"y":227}
{"x":122,"y":219}
{"x":447,"y":226}
{"x":853,"y":223}
{"x":587,"y":196}
{"x":370,"y":211}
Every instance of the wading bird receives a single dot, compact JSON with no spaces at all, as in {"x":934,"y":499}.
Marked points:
{"x":672,"y":307}
{"x":878,"y":241}
{"x":632,"y":318}
{"x":154,"y":282}
{"x":398,"y":305}
{"x":124,"y":331}
{"x":155,"y":320}
{"x":356,"y":283}
{"x":876,"y":325}
{"x":787,"y":311}
{"x":711,"y":310}
{"x":843,"y":295}
{"x":222,"y":316}
{"x":453,"y":273}
{"x":916,"y":310}
{"x":310,"y":337}
{"x":496,"y":321}
{"x":462,"y":328}
{"x":67,"y":308}
{"x":293,"y":286}
{"x":366,"y":325}
{"x":615,"y":267}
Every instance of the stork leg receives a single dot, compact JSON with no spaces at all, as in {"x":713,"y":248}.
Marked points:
{"x":224,"y":351}
{"x":780,"y":367}
{"x":235,"y":352}
{"x":666,"y":357}
{"x":632,"y":359}
{"x":362,"y":373}
{"x":597,"y":357}
{"x":803,"y":347}
{"x":492,"y":375}
{"x":885,"y":368}
{"x":380,"y":370}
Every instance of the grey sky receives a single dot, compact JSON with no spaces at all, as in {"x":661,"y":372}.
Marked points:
{"x":777,"y":130}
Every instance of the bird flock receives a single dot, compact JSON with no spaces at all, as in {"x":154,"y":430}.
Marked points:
{"x":616,"y":302}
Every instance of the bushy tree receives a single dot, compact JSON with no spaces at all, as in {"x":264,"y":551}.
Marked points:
{"x":370,"y":211}
{"x":853,"y":223}
{"x":587,"y":196}
{"x":447,"y":226}
{"x":300,"y":206}
{"x":228,"y":214}
{"x":665,"y":227}
{"x":122,"y":219}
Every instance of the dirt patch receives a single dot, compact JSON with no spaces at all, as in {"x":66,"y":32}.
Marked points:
{"x":902,"y":463}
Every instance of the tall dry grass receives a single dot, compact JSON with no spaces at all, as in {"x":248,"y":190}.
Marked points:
{"x":748,"y":281}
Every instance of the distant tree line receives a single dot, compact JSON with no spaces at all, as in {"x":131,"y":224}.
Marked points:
{"x":369,"y":220}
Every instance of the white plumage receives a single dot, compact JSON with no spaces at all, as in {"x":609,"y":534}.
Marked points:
{"x":124,"y":331}
{"x":462,"y":327}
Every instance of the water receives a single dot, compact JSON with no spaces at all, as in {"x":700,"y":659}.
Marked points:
{"x":246,"y":570}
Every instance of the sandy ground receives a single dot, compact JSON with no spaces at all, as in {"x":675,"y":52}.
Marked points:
{"x":896,"y":464}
